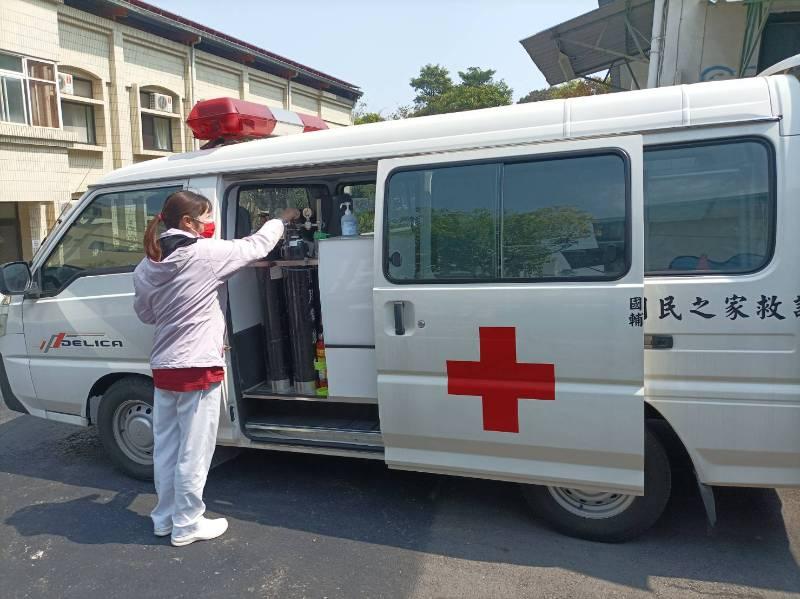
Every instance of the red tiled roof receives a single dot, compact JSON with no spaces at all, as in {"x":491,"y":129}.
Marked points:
{"x":184,"y":21}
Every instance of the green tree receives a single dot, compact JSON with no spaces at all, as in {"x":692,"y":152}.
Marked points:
{"x":537,"y":95}
{"x":402,"y":112}
{"x":468,"y":97}
{"x":571,"y":89}
{"x":433,"y":81}
{"x":362,"y":116}
{"x":463,"y":244}
{"x":367,"y":117}
{"x":531,"y":238}
{"x":363,"y":196}
{"x":436,"y":93}
{"x":476,"y":77}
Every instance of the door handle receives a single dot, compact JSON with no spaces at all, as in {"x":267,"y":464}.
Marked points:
{"x":399,"y":325}
{"x":658,"y":342}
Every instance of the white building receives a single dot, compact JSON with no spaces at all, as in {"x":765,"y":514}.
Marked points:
{"x":88,"y":86}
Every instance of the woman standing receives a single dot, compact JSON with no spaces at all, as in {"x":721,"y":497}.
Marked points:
{"x":178,"y":289}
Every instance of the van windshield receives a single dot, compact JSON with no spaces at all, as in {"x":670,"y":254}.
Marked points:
{"x":107,"y":236}
{"x":65,"y":210}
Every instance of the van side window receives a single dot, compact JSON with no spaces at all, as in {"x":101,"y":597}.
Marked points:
{"x":259,"y":203}
{"x":537,"y":220}
{"x":443,"y":223}
{"x":565,"y":218}
{"x":709,"y":208}
{"x":106,"y":237}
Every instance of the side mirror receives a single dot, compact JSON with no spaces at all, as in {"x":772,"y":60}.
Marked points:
{"x":15,"y":278}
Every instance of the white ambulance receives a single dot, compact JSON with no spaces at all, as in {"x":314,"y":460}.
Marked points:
{"x":547,"y":293}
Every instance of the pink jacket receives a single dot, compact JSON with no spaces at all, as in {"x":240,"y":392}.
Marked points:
{"x":182,"y":295}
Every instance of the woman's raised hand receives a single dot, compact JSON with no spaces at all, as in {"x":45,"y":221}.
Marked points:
{"x":290,"y":214}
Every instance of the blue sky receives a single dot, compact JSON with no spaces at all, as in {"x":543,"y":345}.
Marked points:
{"x":379,"y":45}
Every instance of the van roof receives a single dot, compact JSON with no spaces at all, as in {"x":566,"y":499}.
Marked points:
{"x":719,"y":102}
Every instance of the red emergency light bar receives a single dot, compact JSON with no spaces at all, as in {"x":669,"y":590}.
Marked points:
{"x":230,"y":119}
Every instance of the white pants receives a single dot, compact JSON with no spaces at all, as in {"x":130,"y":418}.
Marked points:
{"x":185,"y":434}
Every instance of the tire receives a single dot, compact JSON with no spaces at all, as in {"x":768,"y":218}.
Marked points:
{"x":614,"y":517}
{"x":125,"y":422}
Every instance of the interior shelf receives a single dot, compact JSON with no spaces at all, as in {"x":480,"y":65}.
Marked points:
{"x":263,"y":391}
{"x":271,"y":263}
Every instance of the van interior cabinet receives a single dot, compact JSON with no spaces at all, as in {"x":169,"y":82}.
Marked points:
{"x":345,"y":287}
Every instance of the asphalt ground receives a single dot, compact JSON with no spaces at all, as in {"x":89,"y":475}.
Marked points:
{"x":317,"y":527}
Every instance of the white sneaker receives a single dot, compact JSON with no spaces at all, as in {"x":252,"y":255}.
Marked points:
{"x":163,"y":532}
{"x":205,"y":530}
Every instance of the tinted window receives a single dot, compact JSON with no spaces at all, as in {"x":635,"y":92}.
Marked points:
{"x":156,"y":133}
{"x":443,"y":223}
{"x":79,"y":118}
{"x":82,"y":87}
{"x":9,"y":62}
{"x":547,"y":219}
{"x":565,"y":218}
{"x":708,"y":208}
{"x":12,"y":100}
{"x":108,"y":234}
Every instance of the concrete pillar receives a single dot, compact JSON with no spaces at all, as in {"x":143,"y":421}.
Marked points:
{"x":35,"y":221}
{"x":191,"y":98}
{"x":244,"y":85}
{"x":683,"y":47}
{"x":120,"y":105}
{"x":25,"y":231}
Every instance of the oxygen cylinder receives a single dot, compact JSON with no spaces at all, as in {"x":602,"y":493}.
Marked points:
{"x":303,"y":315}
{"x":275,"y":333}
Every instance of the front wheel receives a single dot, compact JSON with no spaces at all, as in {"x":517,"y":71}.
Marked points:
{"x":125,"y":422}
{"x":608,"y":517}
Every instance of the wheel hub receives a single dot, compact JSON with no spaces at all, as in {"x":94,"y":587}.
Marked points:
{"x":141,"y":432}
{"x":133,"y":430}
{"x":591,"y":504}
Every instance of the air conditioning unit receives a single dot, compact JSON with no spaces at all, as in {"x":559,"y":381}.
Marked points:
{"x":161,"y":102}
{"x":65,"y":84}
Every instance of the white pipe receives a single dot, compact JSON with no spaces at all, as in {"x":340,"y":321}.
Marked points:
{"x":790,"y":63}
{"x":192,"y":84}
{"x":657,"y":42}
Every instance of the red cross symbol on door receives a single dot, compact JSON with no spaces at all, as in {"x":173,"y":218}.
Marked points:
{"x":500,"y":380}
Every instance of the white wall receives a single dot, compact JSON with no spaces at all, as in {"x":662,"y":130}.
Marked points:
{"x":703,"y":41}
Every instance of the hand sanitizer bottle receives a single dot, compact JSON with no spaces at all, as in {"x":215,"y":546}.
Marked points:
{"x":349,"y":222}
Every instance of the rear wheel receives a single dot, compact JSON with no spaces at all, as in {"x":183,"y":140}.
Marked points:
{"x":125,"y":422}
{"x":603,"y":516}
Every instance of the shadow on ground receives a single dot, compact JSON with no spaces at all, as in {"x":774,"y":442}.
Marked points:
{"x":363,"y":501}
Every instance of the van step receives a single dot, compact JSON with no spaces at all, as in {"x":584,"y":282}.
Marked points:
{"x":264,"y":391}
{"x":364,"y":435}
